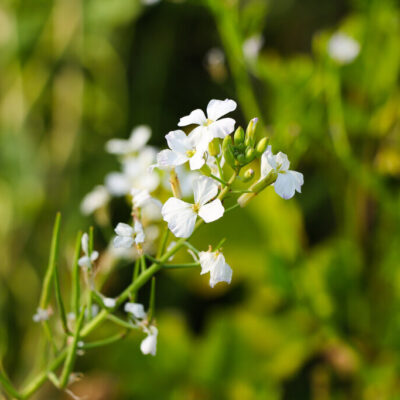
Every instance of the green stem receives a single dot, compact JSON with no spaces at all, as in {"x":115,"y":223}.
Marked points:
{"x":75,"y":276}
{"x":7,"y":386}
{"x":60,"y":303}
{"x":105,"y":342}
{"x":218,"y":179}
{"x":121,"y":322}
{"x":221,"y":172}
{"x":188,"y":265}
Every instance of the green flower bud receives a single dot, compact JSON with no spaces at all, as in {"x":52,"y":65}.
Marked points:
{"x":248,"y":175}
{"x":250,"y":154}
{"x":227,"y":151}
{"x":238,"y":137}
{"x":241,"y":158}
{"x":213,"y":147}
{"x":262,"y":146}
{"x":251,"y":132}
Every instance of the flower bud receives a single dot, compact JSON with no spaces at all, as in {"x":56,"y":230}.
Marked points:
{"x":251,"y":132}
{"x":241,"y":158}
{"x":238,"y":137}
{"x":261,"y":146}
{"x":213,"y":147}
{"x":227,"y":151}
{"x":248,"y":175}
{"x":250,"y":154}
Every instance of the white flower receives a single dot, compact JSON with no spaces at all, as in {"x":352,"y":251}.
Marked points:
{"x":287,"y":182}
{"x":136,"y":309}
{"x":109,"y":302}
{"x":137,"y":140}
{"x":95,"y":310}
{"x":149,"y":344}
{"x":211,"y":127}
{"x":183,"y":148}
{"x":142,"y":198}
{"x":127,"y":235}
{"x":343,"y":48}
{"x":135,"y":174}
{"x":94,"y":200}
{"x":181,"y":216}
{"x":252,"y":47}
{"x":214,"y":263}
{"x":41,"y":315}
{"x":87,"y":260}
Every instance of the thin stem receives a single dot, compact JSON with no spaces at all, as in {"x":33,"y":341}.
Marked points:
{"x":60,"y":303}
{"x":164,"y":241}
{"x":221,"y":172}
{"x":152,"y":299}
{"x":121,"y":322}
{"x":142,"y":263}
{"x":218,"y":179}
{"x":8,"y":387}
{"x":75,"y":276}
{"x":232,"y":208}
{"x":105,"y":342}
{"x":191,"y":247}
{"x":188,"y":265}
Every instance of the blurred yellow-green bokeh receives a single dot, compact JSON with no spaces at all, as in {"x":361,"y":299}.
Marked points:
{"x":313,"y":311}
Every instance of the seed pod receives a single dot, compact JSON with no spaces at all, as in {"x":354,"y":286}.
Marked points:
{"x":227,"y":151}
{"x":238,"y":136}
{"x":248,"y":175}
{"x":250,"y":154}
{"x":213,"y":147}
{"x":251,"y":132}
{"x":261,"y":146}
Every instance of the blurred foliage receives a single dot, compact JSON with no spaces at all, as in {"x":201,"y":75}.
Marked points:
{"x":313,"y":309}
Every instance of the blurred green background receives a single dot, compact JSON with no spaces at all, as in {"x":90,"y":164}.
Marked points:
{"x":313,"y":311}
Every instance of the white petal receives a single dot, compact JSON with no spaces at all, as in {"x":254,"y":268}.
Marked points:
{"x":297,"y":178}
{"x":168,"y":158}
{"x":222,"y":128}
{"x":136,"y":309}
{"x":94,"y":256}
{"x":221,"y":272}
{"x":267,"y":162}
{"x":217,"y":108}
{"x":109,"y":302}
{"x":117,"y":146}
{"x":123,"y":241}
{"x":139,"y":234}
{"x":204,"y":189}
{"x":212,"y":211}
{"x":139,"y":137}
{"x":149,"y":344}
{"x":200,"y":137}
{"x":207,"y":261}
{"x":286,"y":184}
{"x":85,"y":243}
{"x":117,"y":183}
{"x":197,"y":160}
{"x":178,"y":142}
{"x":124,"y":230}
{"x":180,"y":217}
{"x":84,"y":262}
{"x":196,"y":117}
{"x":343,"y":48}
{"x":282,"y":160}
{"x":94,"y":200}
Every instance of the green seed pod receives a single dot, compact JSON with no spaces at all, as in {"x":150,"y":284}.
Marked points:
{"x":250,"y":154}
{"x":213,"y":147}
{"x":227,"y":151}
{"x":238,"y":137}
{"x":262,"y":146}
{"x":248,"y":175}
{"x":251,"y":132}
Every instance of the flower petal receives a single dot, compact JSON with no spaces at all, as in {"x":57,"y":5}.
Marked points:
{"x":85,"y":243}
{"x":222,"y":128}
{"x":212,"y":211}
{"x":139,"y":233}
{"x":218,"y":108}
{"x":136,"y":309}
{"x":117,"y":183}
{"x":123,"y":241}
{"x":168,"y":158}
{"x":180,"y":217}
{"x":178,"y":142}
{"x":196,"y":117}
{"x":139,"y":137}
{"x":267,"y":162}
{"x":282,"y":160}
{"x":298,"y":178}
{"x":124,"y":229}
{"x":204,"y":189}
{"x":221,"y":272}
{"x":196,"y":161}
{"x":286,"y":184}
{"x":84,"y":262}
{"x":149,"y":344}
{"x":207,"y":261}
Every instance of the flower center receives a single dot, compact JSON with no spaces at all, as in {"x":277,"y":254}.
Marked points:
{"x":196,"y":207}
{"x":191,"y":153}
{"x":208,"y":122}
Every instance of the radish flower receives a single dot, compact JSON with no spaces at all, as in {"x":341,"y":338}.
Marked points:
{"x":128,"y":235}
{"x":343,"y":48}
{"x":214,"y":263}
{"x":136,"y":309}
{"x":181,"y":216}
{"x":137,"y":140}
{"x":87,"y":260}
{"x":287,"y":182}
{"x":149,"y":344}
{"x":211,"y":126}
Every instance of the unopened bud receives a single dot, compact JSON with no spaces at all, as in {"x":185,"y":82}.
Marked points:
{"x":238,"y":136}
{"x":248,"y":175}
{"x":250,"y":154}
{"x":213,"y":147}
{"x":241,"y":158}
{"x":251,"y":132}
{"x":227,"y":151}
{"x":262,"y":146}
